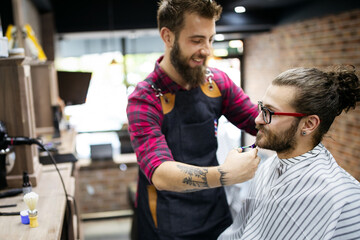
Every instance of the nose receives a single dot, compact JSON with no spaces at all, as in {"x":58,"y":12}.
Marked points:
{"x":206,"y":50}
{"x":259,"y":119}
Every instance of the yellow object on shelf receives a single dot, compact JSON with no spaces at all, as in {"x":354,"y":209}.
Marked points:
{"x":11,"y":36}
{"x":31,"y":41}
{"x":33,"y":221}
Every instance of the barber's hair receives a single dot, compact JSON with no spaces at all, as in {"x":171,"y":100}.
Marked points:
{"x":323,"y":93}
{"x":171,"y":13}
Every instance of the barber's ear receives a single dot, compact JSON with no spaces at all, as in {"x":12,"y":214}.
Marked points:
{"x":310,"y":124}
{"x":167,"y":36}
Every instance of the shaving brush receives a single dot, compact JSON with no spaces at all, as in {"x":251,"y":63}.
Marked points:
{"x":31,"y":200}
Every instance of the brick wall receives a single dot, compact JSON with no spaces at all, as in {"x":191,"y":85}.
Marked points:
{"x":319,"y":42}
{"x":103,"y":186}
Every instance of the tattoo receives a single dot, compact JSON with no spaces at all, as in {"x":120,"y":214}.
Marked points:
{"x":222,"y":176}
{"x":195,"y":177}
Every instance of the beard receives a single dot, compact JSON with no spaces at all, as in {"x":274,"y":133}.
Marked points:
{"x":280,"y":142}
{"x":192,"y":76}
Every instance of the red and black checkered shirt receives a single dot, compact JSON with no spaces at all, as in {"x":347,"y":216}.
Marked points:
{"x":145,"y":115}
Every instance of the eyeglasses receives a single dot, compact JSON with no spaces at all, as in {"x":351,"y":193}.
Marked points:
{"x":267,"y":113}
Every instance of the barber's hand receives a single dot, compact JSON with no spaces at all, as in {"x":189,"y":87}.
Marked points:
{"x":239,"y":166}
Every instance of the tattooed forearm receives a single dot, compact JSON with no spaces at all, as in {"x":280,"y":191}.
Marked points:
{"x":222,"y":176}
{"x":195,"y":176}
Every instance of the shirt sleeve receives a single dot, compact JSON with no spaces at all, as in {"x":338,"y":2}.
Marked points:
{"x":236,"y":105}
{"x":145,"y":118}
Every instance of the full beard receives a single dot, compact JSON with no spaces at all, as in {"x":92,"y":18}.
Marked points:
{"x":281,"y":142}
{"x":192,"y":76}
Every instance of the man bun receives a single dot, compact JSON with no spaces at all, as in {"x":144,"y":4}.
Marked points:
{"x":347,"y":86}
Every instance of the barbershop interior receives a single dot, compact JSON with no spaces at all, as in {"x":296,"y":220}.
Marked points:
{"x":67,"y":69}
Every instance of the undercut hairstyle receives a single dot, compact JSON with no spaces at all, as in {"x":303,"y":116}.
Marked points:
{"x":171,"y":13}
{"x":323,"y":93}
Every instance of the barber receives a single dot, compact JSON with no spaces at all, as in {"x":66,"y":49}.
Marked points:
{"x":173,"y":116}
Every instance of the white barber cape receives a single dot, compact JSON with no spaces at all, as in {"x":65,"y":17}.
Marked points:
{"x":314,"y":198}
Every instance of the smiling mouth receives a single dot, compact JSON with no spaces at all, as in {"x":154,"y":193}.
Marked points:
{"x":198,"y":60}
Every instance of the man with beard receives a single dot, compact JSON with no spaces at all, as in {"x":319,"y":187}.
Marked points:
{"x":173,"y":118}
{"x":301,"y":192}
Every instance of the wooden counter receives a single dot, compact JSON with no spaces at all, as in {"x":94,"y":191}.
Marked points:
{"x":51,"y":207}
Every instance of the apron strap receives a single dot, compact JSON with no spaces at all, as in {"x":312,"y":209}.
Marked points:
{"x":152,"y":195}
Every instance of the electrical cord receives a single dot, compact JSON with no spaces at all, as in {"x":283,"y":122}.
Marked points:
{"x":11,"y":192}
{"x":53,"y":161}
{"x":35,"y":141}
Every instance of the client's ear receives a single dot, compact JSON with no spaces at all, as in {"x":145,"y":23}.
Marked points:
{"x":310,"y":124}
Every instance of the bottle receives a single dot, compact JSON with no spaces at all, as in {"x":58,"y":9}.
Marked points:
{"x":26,"y":183}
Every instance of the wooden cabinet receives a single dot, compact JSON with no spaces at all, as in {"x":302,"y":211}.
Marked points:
{"x":17,"y":112}
{"x":45,"y":90}
{"x":28,"y":94}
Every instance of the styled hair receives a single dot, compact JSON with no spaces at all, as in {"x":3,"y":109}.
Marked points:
{"x":171,"y":13}
{"x":323,"y":93}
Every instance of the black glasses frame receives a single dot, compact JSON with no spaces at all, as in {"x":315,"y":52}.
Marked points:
{"x":265,"y":110}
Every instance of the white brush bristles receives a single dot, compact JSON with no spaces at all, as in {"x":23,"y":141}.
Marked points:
{"x":31,"y":199}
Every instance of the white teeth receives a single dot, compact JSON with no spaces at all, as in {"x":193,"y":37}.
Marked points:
{"x":197,"y":59}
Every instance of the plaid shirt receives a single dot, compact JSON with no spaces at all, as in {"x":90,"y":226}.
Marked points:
{"x":145,"y":115}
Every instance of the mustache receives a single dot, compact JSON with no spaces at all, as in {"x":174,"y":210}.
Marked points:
{"x":260,"y":127}
{"x":201,"y":56}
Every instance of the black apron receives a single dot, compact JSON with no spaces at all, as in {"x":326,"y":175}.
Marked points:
{"x":190,"y":127}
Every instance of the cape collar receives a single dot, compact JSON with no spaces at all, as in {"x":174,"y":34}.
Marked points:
{"x":310,"y":154}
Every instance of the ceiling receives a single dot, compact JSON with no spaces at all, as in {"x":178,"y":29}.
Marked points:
{"x":261,"y":15}
{"x":124,"y":16}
